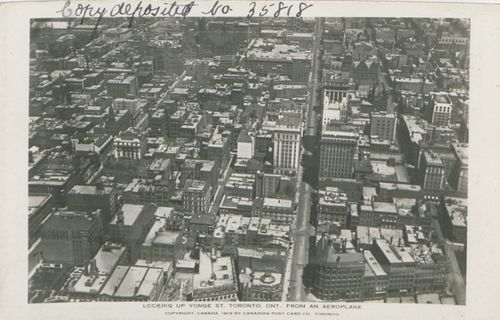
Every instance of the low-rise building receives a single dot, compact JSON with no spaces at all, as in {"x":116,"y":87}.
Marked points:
{"x":131,"y":226}
{"x":133,"y":283}
{"x":278,"y":210}
{"x":454,"y":218}
{"x":333,"y":206}
{"x":216,"y":280}
{"x":260,"y":286}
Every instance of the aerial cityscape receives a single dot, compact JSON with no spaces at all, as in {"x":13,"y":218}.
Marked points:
{"x":248,"y":159}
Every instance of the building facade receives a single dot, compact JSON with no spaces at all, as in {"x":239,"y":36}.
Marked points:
{"x":337,"y":151}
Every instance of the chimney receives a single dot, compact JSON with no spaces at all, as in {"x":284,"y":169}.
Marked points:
{"x":119,"y":218}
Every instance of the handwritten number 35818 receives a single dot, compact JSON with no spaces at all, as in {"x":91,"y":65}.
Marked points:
{"x":277,"y":9}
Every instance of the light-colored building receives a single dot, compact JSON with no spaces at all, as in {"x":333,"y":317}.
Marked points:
{"x":130,"y":144}
{"x":441,"y":112}
{"x":216,"y":279}
{"x":279,"y":210}
{"x":91,"y":279}
{"x":246,"y":145}
{"x":286,"y":145}
{"x":133,"y":283}
{"x":333,"y":110}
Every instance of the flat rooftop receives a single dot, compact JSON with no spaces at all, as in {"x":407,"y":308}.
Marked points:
{"x":214,"y":272}
{"x":131,"y":281}
{"x":372,"y":267}
{"x":195,"y":185}
{"x":90,"y":190}
{"x":274,"y":202}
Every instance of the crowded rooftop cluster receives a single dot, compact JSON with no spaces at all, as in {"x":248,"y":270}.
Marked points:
{"x":176,"y":159}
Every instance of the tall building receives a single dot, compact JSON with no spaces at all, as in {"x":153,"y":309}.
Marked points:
{"x":71,"y":237}
{"x":431,"y":171}
{"x":459,"y":174}
{"x":266,"y":184}
{"x":337,"y":149}
{"x":196,"y":196}
{"x":333,"y":110}
{"x":383,"y":125}
{"x":338,"y":274}
{"x":336,"y":87}
{"x":441,"y":110}
{"x":286,"y":145}
{"x":90,"y":198}
{"x":246,"y":145}
{"x":168,"y":57}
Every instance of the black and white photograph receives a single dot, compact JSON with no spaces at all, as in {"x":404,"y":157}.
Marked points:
{"x":247,"y":159}
{"x":235,"y":159}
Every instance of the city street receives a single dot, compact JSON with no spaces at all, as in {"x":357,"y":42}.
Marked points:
{"x":301,"y":236}
{"x":303,"y":229}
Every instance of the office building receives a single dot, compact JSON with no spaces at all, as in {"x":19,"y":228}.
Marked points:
{"x":71,"y":237}
{"x":337,"y":149}
{"x":441,"y":109}
{"x":286,"y":145}
{"x":130,"y":144}
{"x":431,"y":171}
{"x":383,"y":125}
{"x":338,"y":274}
{"x":333,"y":206}
{"x":246,"y":145}
{"x":90,"y":198}
{"x":196,"y":196}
